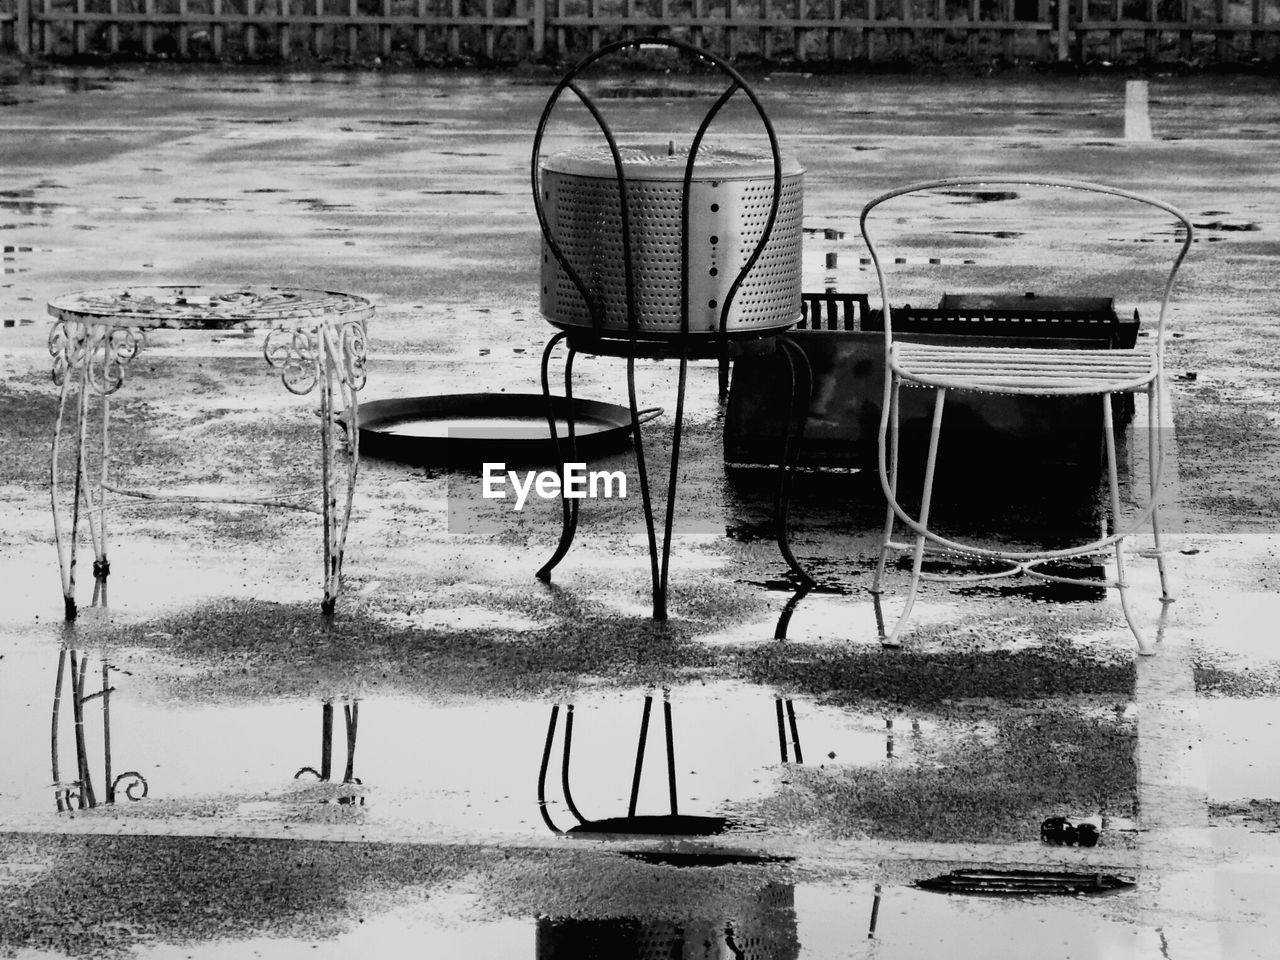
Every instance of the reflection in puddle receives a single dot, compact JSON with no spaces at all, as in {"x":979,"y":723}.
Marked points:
{"x":732,"y":917}
{"x":465,"y":765}
{"x":761,"y":924}
{"x":79,"y":793}
{"x":914,"y":924}
{"x":641,"y":92}
{"x":672,"y":823}
{"x":1023,"y":883}
{"x":749,"y":758}
{"x":351,"y":714}
{"x":982,"y":196}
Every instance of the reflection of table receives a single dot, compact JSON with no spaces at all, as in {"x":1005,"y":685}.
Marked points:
{"x":314,"y":338}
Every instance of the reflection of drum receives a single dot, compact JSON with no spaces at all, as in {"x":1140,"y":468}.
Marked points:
{"x":759,"y":927}
{"x":730,"y":196}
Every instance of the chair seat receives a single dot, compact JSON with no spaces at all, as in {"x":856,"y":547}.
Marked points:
{"x":1025,"y":370}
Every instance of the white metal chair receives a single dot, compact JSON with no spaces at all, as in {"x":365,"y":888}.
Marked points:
{"x":1026,"y":371}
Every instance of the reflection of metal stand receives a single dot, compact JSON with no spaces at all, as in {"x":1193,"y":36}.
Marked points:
{"x":79,"y":793}
{"x":351,"y":714}
{"x":316,"y":339}
{"x":674,"y":823}
{"x":742,"y":923}
{"x":789,"y":706}
{"x":784,"y":618}
{"x":683,"y":344}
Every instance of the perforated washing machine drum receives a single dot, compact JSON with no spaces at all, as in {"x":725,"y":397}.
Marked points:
{"x":730,"y":197}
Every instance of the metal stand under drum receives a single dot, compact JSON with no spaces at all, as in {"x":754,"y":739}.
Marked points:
{"x":659,"y":253}
{"x":800,"y":378}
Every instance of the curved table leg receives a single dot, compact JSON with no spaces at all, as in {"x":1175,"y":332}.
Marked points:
{"x":328,"y":495}
{"x":801,"y":396}
{"x":642,"y":473}
{"x":76,"y":348}
{"x":66,"y":542}
{"x":98,"y":510}
{"x":569,"y":506}
{"x":673,"y":477}
{"x":342,"y":357}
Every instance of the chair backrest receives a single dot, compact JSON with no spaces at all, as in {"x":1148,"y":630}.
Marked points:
{"x":592,"y":297}
{"x":997,"y":188}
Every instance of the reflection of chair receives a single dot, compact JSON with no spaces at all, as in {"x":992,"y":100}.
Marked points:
{"x":1019,"y":371}
{"x":673,"y":823}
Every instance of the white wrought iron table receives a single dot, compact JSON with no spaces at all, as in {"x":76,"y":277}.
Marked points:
{"x":314,"y":338}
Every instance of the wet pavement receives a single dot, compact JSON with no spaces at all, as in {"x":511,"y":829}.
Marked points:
{"x":267,"y":782}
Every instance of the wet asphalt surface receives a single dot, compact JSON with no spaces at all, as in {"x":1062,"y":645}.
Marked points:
{"x":371,"y":783}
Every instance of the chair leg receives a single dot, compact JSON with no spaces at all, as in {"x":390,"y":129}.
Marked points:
{"x":926,"y":496}
{"x":1113,"y":480}
{"x":569,"y":507}
{"x":887,"y":538}
{"x":1155,"y":455}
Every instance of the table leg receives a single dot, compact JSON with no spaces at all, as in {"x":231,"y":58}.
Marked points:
{"x":673,"y":476}
{"x":342,"y":358}
{"x":801,"y":377}
{"x":569,"y":507}
{"x":66,"y":542}
{"x":90,"y":362}
{"x":569,"y":522}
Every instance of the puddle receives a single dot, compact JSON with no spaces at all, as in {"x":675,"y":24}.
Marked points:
{"x":982,"y":196}
{"x":29,"y":207}
{"x":404,"y":765}
{"x":258,"y":121}
{"x":912,"y":924}
{"x":642,"y":92}
{"x":1238,"y":745}
{"x":998,"y":234}
{"x":781,"y":920}
{"x":605,"y":911}
{"x":1241,"y":625}
{"x":1224,"y":226}
{"x":318,"y":205}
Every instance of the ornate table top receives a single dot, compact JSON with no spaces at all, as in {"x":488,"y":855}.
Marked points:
{"x":210,"y":307}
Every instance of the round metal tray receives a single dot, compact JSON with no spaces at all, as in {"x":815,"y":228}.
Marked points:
{"x":468,"y":429}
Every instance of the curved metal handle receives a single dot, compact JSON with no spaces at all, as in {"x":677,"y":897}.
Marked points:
{"x":648,"y":414}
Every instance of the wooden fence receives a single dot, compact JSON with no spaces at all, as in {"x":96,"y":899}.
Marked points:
{"x":505,"y":31}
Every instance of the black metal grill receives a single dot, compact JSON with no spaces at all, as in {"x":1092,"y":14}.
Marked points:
{"x":1092,"y":321}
